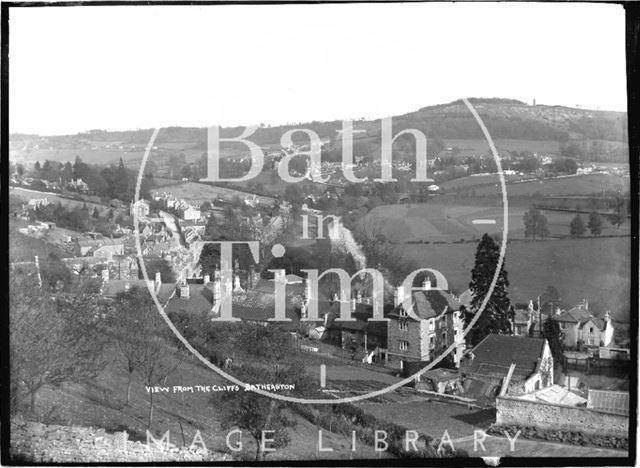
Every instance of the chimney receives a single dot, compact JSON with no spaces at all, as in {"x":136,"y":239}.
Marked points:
{"x":398,"y":295}
{"x":184,"y":290}
{"x":207,"y":279}
{"x":216,"y":292}
{"x":236,"y":284}
{"x":607,"y":317}
{"x":280,"y":276}
{"x":307,"y":289}
{"x":158,"y":282}
{"x":558,"y":311}
{"x":426,"y":284}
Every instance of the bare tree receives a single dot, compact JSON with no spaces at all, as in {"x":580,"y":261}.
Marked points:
{"x":54,"y":338}
{"x":140,"y":338}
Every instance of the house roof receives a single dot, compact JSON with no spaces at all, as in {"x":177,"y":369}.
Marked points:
{"x":362,"y":323}
{"x":581,"y":316}
{"x":521,"y":316}
{"x":495,"y":354}
{"x":252,"y":305}
{"x":609,"y":401}
{"x":115,"y":286}
{"x":429,"y":304}
{"x":99,"y":242}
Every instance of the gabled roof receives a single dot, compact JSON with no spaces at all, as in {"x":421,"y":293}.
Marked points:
{"x":99,"y":242}
{"x":252,"y":305}
{"x":429,"y":304}
{"x":115,"y":286}
{"x":495,"y":354}
{"x":521,"y":316}
{"x":580,"y":315}
{"x":362,"y":315}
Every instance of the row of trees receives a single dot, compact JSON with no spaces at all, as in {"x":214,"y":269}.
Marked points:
{"x":80,"y":218}
{"x":107,"y":182}
{"x":536,"y":224}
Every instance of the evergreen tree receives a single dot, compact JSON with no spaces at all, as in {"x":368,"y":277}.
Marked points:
{"x":96,"y":213}
{"x":120,"y":183}
{"x":577,"y":227}
{"x":595,"y":223}
{"x":552,"y":333}
{"x":497,"y":316}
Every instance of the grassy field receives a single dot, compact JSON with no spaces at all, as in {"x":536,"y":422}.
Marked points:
{"x":100,"y":403}
{"x":597,"y":269}
{"x":27,"y":194}
{"x":480,"y":146}
{"x":577,"y":185}
{"x":198,"y":193}
{"x":90,"y":156}
{"x":23,"y":248}
{"x":449,"y":223}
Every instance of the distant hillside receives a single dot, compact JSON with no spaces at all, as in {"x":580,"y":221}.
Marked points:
{"x":504,"y":118}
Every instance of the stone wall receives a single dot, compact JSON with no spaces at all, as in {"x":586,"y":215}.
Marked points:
{"x":513,"y":411}
{"x":36,"y":442}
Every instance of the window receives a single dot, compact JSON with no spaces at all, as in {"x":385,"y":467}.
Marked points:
{"x":431,"y":325}
{"x":403,"y":326}
{"x":444,"y":339}
{"x":404,"y":345}
{"x":403,"y":313}
{"x":590,"y":329}
{"x":432,"y":341}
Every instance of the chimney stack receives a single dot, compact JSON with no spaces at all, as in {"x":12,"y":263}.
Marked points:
{"x":398,"y":295}
{"x":216,"y":292}
{"x":184,"y":290}
{"x":207,"y":279}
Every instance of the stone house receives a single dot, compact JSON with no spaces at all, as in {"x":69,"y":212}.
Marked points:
{"x":581,"y":327}
{"x":104,"y":248}
{"x":440,"y":325}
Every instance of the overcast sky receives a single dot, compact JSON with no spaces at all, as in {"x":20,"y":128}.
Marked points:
{"x":117,"y":68}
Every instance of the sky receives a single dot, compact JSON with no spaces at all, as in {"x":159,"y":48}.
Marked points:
{"x":126,"y":67}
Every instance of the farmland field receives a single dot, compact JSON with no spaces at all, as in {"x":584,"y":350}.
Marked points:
{"x":597,"y":269}
{"x":480,"y":146}
{"x":90,"y":156}
{"x":449,"y":223}
{"x":28,"y":194}
{"x":574,"y":185}
{"x":198,"y":193}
